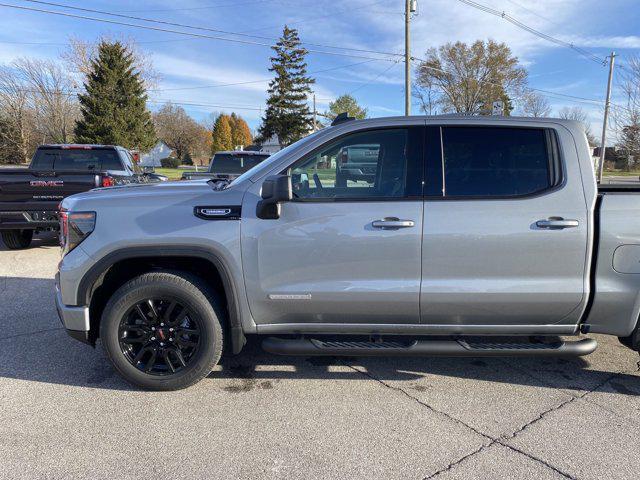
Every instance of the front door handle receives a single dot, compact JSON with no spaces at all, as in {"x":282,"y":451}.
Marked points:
{"x":557,"y":223}
{"x":392,"y":223}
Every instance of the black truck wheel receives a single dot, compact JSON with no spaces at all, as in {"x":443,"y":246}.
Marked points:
{"x":17,"y":239}
{"x":162,"y":330}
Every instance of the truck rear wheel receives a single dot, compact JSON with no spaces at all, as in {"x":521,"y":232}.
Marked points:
{"x":162,"y":331}
{"x":17,"y":239}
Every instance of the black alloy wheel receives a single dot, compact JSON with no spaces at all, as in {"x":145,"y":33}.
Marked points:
{"x":159,"y":336}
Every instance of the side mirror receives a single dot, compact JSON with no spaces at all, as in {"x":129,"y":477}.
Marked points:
{"x":148,"y":169}
{"x":275,"y":190}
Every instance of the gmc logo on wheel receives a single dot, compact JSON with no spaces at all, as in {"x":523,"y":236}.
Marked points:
{"x":46,"y":183}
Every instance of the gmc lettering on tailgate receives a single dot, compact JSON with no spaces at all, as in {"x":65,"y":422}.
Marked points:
{"x":46,"y":183}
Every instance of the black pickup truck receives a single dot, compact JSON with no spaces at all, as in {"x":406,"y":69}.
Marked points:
{"x":228,"y":165}
{"x":29,"y":197}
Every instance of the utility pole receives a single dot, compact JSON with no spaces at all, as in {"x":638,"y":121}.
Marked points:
{"x":409,"y":8}
{"x":606,"y":118}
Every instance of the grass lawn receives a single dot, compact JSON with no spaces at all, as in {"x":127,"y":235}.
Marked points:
{"x":621,"y":174}
{"x":172,"y":173}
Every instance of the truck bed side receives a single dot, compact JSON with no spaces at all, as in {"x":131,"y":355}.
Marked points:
{"x":616,"y":302}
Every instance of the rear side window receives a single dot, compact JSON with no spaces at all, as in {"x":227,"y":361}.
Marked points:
{"x":76,"y":159}
{"x":498,"y":162}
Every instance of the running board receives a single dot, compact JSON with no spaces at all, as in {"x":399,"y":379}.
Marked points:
{"x":429,"y":348}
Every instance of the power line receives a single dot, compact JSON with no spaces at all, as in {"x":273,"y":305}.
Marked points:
{"x":255,"y":81}
{"x":210,"y":7}
{"x":193,"y":27}
{"x":585,"y":53}
{"x":373,"y":80}
{"x":178,"y":32}
{"x":317,"y":17}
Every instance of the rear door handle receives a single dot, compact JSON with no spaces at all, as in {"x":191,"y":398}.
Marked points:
{"x":557,"y":223}
{"x":392,"y":223}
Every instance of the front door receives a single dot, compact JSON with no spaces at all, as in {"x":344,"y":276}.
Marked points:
{"x":347,"y":248}
{"x":488,"y":257}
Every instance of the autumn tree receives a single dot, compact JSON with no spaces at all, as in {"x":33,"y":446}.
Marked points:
{"x":222,"y":137}
{"x":240,"y":132}
{"x":345,"y":103}
{"x":113,"y":107}
{"x":287,"y":114}
{"x":469,"y":78}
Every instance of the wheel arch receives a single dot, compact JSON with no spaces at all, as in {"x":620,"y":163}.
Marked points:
{"x":117,"y":267}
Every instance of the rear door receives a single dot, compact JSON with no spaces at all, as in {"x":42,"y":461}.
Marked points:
{"x":341,"y":252}
{"x":505,"y":227}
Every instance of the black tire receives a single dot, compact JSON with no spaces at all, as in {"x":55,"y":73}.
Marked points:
{"x":17,"y":239}
{"x":181,"y":287}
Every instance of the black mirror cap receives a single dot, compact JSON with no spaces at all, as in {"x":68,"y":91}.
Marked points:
{"x":277,"y":188}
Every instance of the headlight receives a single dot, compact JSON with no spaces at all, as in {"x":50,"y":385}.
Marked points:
{"x":74,"y":228}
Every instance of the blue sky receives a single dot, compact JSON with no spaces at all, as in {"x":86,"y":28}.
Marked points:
{"x":185,"y":63}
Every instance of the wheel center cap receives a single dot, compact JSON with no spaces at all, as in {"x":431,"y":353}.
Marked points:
{"x":161,"y":334}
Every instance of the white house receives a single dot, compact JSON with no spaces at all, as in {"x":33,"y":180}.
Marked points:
{"x":157,"y":153}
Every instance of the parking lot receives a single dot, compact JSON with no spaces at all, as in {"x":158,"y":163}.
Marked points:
{"x":64,"y":412}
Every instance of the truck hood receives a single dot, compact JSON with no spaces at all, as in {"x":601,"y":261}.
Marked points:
{"x":194,"y":192}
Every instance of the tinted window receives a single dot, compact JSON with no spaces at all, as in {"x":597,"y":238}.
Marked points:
{"x":76,"y":159}
{"x":234,"y":163}
{"x":361,"y":165}
{"x":484,"y":161}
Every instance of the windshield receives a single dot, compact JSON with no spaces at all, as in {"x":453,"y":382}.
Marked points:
{"x":274,"y":158}
{"x":234,"y":162}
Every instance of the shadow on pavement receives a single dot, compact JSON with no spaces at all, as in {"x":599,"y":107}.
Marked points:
{"x":49,"y":356}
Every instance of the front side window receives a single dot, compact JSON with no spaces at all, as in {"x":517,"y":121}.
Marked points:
{"x":496,"y":161}
{"x":370,"y":164}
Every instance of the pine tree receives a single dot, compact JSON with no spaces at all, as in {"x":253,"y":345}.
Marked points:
{"x":287,"y":113}
{"x":114,"y":108}
{"x":240,"y":131}
{"x":221,"y":135}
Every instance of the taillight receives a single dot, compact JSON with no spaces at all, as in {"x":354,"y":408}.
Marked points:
{"x":74,"y":228}
{"x":108,"y":181}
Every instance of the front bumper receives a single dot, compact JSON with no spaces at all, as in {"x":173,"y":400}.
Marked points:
{"x":74,"y":319}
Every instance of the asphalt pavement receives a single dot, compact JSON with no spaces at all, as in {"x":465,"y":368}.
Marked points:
{"x":65,"y":413}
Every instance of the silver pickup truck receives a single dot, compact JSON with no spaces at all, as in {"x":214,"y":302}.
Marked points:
{"x":477,"y":237}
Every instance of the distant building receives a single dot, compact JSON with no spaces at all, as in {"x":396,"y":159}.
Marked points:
{"x":158,"y":152}
{"x":271,"y":146}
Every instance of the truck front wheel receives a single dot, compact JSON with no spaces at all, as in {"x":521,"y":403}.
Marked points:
{"x":162,"y":330}
{"x":17,"y":239}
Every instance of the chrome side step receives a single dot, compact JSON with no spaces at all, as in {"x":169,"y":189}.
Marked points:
{"x":429,"y":348}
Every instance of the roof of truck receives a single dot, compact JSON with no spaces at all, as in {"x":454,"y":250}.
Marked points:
{"x":242,"y":152}
{"x":79,"y":146}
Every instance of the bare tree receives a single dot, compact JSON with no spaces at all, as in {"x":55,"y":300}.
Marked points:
{"x":535,"y":105}
{"x":579,"y":115}
{"x":181,"y":132}
{"x":17,"y":133}
{"x":469,"y":78}
{"x":52,"y":97}
{"x":626,"y":117}
{"x":81,"y":53}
